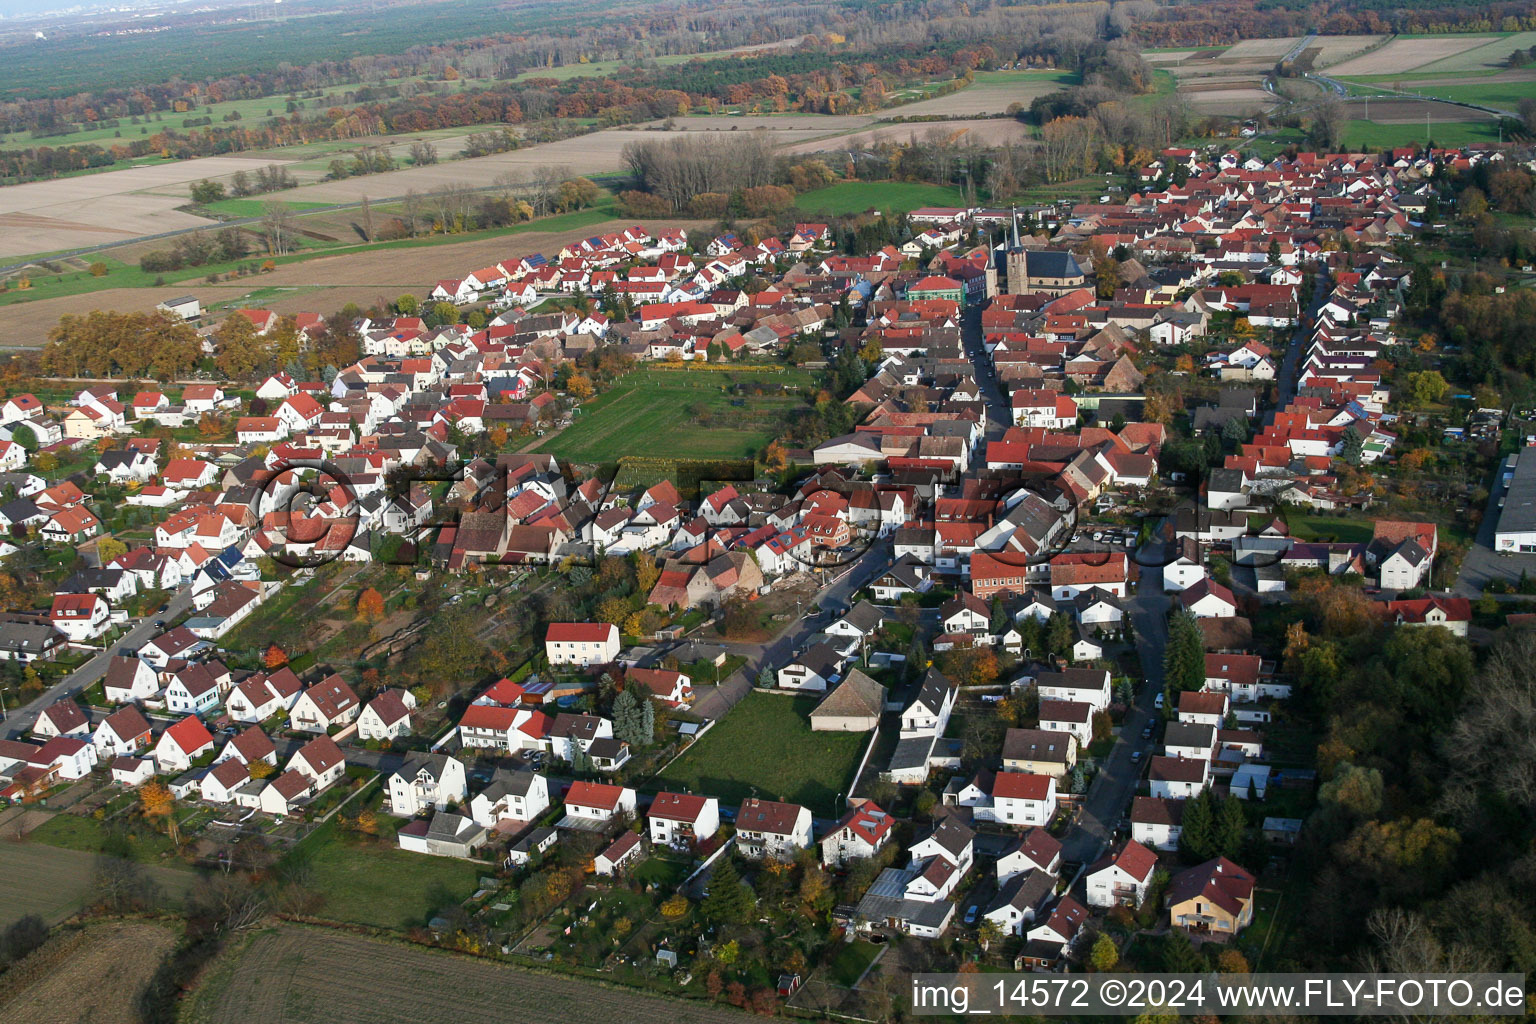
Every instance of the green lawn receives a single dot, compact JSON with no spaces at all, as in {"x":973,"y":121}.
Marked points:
{"x":858,"y":196}
{"x":851,"y":960}
{"x":76,"y":832}
{"x":373,"y":884}
{"x":651,"y":413}
{"x":1327,"y":528}
{"x":1369,"y":136}
{"x":765,"y":746}
{"x":255,"y":207}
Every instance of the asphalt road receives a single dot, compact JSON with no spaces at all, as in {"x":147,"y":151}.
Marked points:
{"x":1109,"y":795}
{"x":835,"y":596}
{"x":21,"y":720}
{"x":999,"y":411}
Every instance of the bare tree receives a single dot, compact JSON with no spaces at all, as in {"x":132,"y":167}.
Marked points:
{"x":411,"y":207}
{"x":423,"y":153}
{"x":277,"y":223}
{"x":365,"y":215}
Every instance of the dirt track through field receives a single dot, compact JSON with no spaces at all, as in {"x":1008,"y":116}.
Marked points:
{"x":308,"y":976}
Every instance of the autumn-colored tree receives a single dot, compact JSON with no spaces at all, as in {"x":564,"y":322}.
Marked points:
{"x":262,"y":770}
{"x":274,"y":657}
{"x":579,"y":386}
{"x":370,"y":605}
{"x":974,"y":666}
{"x":1104,"y":955}
{"x":674,"y":906}
{"x":155,"y":803}
{"x":647,"y":572}
{"x":1296,"y":641}
{"x":775,"y":457}
{"x":109,"y":548}
{"x":1231,"y":961}
{"x":765,"y":1002}
{"x":367,"y":822}
{"x":498,"y":436}
{"x":210,"y":427}
{"x":612,"y":609}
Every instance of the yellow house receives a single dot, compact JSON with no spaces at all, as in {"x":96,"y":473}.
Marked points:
{"x":1216,"y":896}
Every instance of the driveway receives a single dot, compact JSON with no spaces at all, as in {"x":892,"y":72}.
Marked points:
{"x":1110,"y":794}
{"x":1483,"y":565}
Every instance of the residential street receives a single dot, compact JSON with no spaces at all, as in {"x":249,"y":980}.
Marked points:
{"x":1109,"y":797}
{"x":999,"y":412}
{"x":20,"y":720}
{"x":836,"y":596}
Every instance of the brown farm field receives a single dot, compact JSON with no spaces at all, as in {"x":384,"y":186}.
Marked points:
{"x":992,"y":131}
{"x":1404,"y":55}
{"x":293,"y":975}
{"x":1239,"y":101}
{"x":94,"y":209}
{"x":1406,"y":111}
{"x":113,"y":206}
{"x":323,"y":284}
{"x":597,"y":153}
{"x":93,"y":976}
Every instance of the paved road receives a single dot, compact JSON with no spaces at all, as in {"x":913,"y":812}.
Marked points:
{"x":22,"y":719}
{"x":1110,"y":794}
{"x":999,"y":411}
{"x":1290,"y":366}
{"x":836,"y":596}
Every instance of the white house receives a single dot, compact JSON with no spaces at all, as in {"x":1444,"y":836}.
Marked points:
{"x":426,"y":782}
{"x":181,"y":744}
{"x":387,"y":717}
{"x":124,"y":731}
{"x":1122,"y":877}
{"x":1035,"y":850}
{"x":769,"y":829}
{"x":80,"y":617}
{"x":320,"y":760}
{"x":1156,"y":823}
{"x":1089,"y":685}
{"x":682,"y":820}
{"x":581,"y":643}
{"x":598,"y":801}
{"x":929,"y":711}
{"x":62,"y":718}
{"x":1021,"y":798}
{"x":510,"y":796}
{"x":862,"y":832}
{"x":327,"y":703}
{"x":1177,"y":778}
